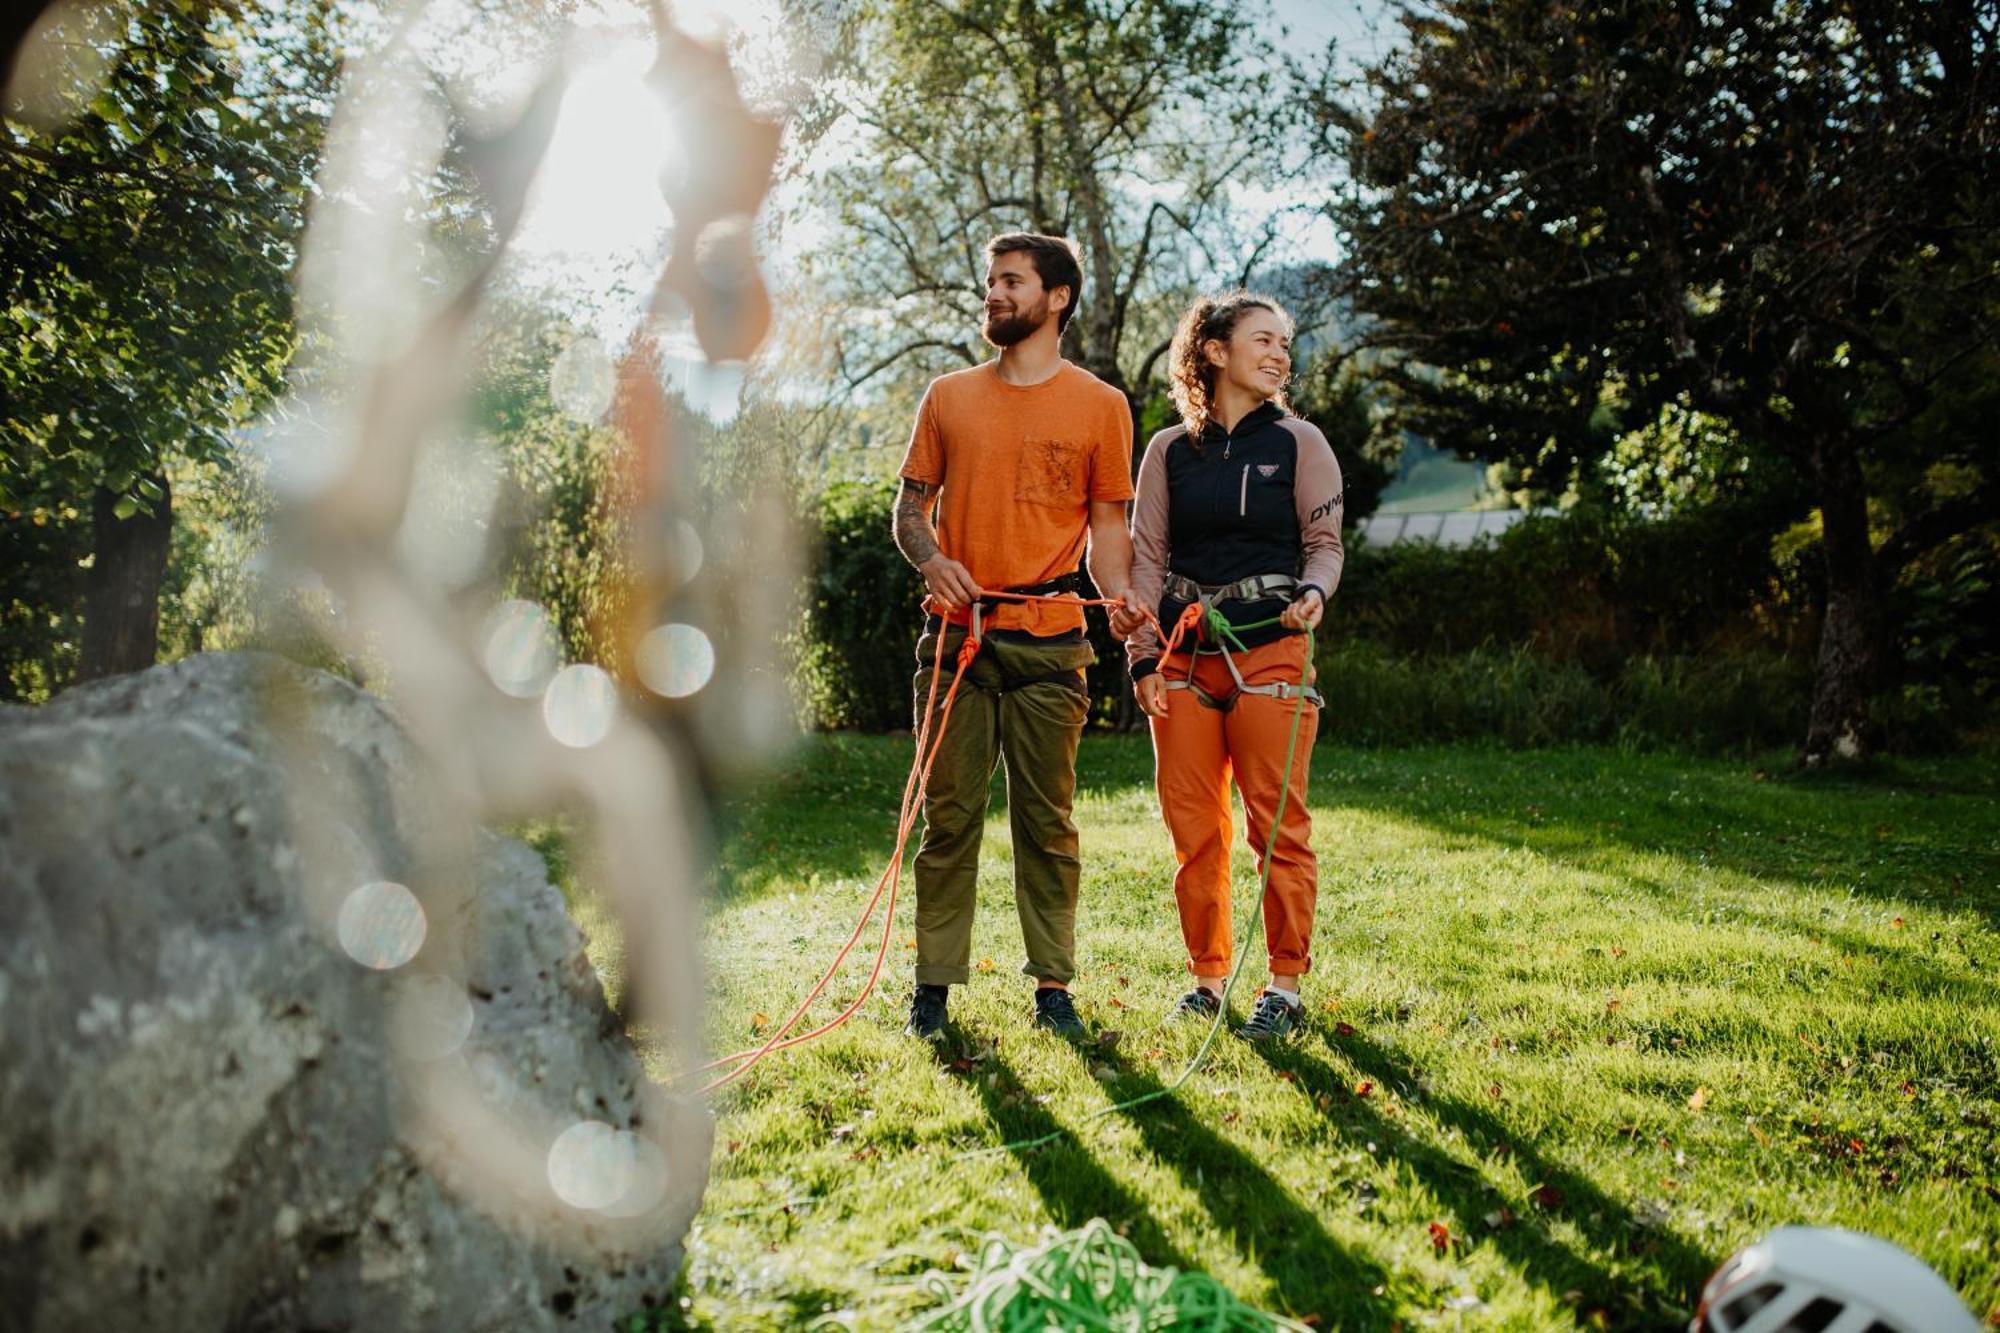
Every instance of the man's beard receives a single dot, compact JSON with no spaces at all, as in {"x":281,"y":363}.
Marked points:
{"x":1005,"y":332}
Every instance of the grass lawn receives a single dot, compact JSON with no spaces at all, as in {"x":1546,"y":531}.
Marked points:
{"x":1582,"y":1022}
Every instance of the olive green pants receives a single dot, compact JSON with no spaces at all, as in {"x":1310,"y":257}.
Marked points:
{"x":1022,"y":702}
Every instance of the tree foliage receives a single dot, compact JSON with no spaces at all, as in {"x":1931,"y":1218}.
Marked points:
{"x":145,"y":303}
{"x":1573,"y":219}
{"x":1122,"y":124}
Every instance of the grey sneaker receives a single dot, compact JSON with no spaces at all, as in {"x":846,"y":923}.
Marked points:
{"x":1274,"y":1019}
{"x":1056,"y":1012}
{"x":927,"y":1013}
{"x":1199,"y":1005}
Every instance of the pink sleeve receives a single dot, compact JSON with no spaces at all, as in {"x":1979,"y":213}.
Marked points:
{"x":1149,"y":542}
{"x":1320,"y":497}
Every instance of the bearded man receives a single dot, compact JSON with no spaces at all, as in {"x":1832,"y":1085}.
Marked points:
{"x":1020,"y":458}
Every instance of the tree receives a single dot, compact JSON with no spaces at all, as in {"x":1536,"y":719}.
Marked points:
{"x":145,"y":301}
{"x":1779,"y":213}
{"x":1122,"y":124}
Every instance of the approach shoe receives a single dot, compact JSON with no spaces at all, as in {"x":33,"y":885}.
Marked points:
{"x":1199,"y":1005}
{"x":1055,"y":1012}
{"x":1274,"y":1019}
{"x":927,"y":1013}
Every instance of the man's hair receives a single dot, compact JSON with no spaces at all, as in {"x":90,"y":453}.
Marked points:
{"x":1055,"y":264}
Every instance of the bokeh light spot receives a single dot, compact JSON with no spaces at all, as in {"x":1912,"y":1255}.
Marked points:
{"x":432,"y":1016}
{"x":675,"y":660}
{"x":613,"y":1171}
{"x":579,"y":705}
{"x":521,"y":648}
{"x":582,"y":379}
{"x":381,"y":925}
{"x":63,"y":63}
{"x":586,"y":1165}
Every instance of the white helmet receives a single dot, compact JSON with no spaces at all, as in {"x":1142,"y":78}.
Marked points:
{"x":1825,"y":1280}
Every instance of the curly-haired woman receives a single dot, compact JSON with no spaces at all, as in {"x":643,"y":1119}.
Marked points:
{"x":1238,"y":511}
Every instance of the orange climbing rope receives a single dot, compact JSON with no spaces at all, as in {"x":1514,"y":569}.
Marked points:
{"x":890,"y":879}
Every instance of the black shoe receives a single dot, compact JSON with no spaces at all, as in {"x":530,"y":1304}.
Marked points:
{"x":927,"y":1013}
{"x":1274,"y":1019}
{"x":1200,"y":1004}
{"x":1056,"y":1012}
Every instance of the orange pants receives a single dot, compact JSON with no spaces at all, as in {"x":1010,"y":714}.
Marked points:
{"x":1195,"y":749}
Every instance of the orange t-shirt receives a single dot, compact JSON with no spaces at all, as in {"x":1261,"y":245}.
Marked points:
{"x":1019,"y":466}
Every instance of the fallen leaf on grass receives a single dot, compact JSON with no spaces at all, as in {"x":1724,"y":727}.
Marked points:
{"x":910,"y":943}
{"x":734,"y":1146}
{"x":1231,"y":1117}
{"x":1363,"y":1088}
{"x":1117,"y":1003}
{"x":1124,"y":981}
{"x":1548,"y":1196}
{"x":1611,"y":1005}
{"x":1324,"y":1101}
{"x":1858,"y":1147}
{"x":1698,"y":1099}
{"x":1156,"y":1053}
{"x":1343,"y":1029}
{"x":983,"y":965}
{"x":1440,"y":1237}
{"x":1288,"y":1076}
{"x":758,"y":1022}
{"x":1617,"y":951}
{"x":1493,"y":1091}
{"x":1897,"y":924}
{"x":1759,"y":1135}
{"x":1909,"y":1090}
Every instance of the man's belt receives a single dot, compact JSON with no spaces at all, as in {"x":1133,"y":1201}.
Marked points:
{"x":973,"y":616}
{"x":1184,"y":589}
{"x":1071,"y":582}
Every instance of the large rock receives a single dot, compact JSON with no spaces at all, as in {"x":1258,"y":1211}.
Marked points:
{"x":212,"y":1116}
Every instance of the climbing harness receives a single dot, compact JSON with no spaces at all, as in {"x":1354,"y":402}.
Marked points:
{"x":1203,"y":601}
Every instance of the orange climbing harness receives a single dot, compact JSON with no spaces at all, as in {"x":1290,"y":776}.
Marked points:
{"x":890,"y":880}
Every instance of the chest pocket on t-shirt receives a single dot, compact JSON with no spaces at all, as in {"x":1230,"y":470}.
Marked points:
{"x":1264,"y":492}
{"x":1051,"y":472}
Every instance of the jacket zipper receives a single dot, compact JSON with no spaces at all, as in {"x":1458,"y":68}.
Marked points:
{"x":1243,"y":494}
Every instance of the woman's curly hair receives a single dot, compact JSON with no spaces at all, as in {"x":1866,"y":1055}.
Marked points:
{"x":1189,"y":375}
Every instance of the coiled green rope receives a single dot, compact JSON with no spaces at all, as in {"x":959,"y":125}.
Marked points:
{"x":1088,"y":1279}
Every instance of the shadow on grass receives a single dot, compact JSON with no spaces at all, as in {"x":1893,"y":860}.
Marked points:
{"x":1313,"y":1273}
{"x":1570,"y":806}
{"x":1671,"y":1268}
{"x":1073,"y":1184}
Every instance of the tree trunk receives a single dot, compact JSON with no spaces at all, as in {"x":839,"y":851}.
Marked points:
{"x":1850,"y":645}
{"x":121,"y":594}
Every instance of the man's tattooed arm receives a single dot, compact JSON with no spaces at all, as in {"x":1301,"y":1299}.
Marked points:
{"x":914,"y":535}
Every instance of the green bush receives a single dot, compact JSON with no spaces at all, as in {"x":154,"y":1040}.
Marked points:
{"x":1686,"y":632}
{"x":857,"y":642}
{"x":1586,"y":587}
{"x":1521,"y":698}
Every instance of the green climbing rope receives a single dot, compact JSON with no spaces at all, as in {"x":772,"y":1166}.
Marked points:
{"x":1088,"y":1279}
